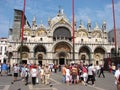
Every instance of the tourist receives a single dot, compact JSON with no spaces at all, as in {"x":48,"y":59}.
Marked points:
{"x":91,"y":74}
{"x":34,"y":74}
{"x":42,"y":75}
{"x":47,"y":74}
{"x":16,"y":71}
{"x":101,"y":71}
{"x":67,"y":75}
{"x":4,"y":69}
{"x":64,"y":74}
{"x":117,"y":77}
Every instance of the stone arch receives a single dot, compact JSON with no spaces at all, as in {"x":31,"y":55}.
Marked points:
{"x":84,"y":54}
{"x":24,"y":48}
{"x":39,"y":54}
{"x":112,"y":52}
{"x":62,"y":32}
{"x":24,"y":52}
{"x":99,"y":55}
{"x":62,"y":52}
{"x":39,"y":48}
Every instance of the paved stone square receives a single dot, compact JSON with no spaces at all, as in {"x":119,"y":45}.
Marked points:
{"x":106,"y":83}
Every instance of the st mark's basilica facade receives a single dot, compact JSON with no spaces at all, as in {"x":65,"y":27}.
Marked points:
{"x":53,"y":44}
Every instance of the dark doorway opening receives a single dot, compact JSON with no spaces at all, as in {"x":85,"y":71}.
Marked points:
{"x":61,"y":61}
{"x":97,"y":63}
{"x":40,"y":63}
{"x":40,"y":58}
{"x":24,"y":61}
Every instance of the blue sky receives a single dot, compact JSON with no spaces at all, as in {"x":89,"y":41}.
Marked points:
{"x":96,"y":10}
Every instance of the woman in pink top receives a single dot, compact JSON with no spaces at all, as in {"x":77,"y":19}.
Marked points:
{"x":84,"y":74}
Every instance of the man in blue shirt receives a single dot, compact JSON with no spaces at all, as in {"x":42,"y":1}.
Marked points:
{"x":4,"y":68}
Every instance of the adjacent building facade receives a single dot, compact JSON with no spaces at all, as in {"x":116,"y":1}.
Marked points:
{"x":53,"y":44}
{"x":111,"y":39}
{"x":3,"y":49}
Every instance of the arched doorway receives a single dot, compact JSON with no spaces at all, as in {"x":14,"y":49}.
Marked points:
{"x":40,"y":58}
{"x":84,"y":54}
{"x":39,"y":53}
{"x":99,"y":54}
{"x":23,"y":54}
{"x":62,"y":56}
{"x":62,"y":53}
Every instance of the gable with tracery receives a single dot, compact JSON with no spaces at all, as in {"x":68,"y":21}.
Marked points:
{"x":82,"y":33}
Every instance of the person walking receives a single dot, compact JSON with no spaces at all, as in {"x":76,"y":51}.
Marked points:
{"x":91,"y":72}
{"x":113,"y":68}
{"x":97,"y":67}
{"x":84,"y":74}
{"x":47,"y":75}
{"x":117,"y":77}
{"x":101,"y":71}
{"x":34,"y":74}
{"x":67,"y":75}
{"x":64,"y":74}
{"x":4,"y":69}
{"x":15,"y":72}
{"x":27,"y":74}
{"x":74,"y":72}
{"x":42,"y":75}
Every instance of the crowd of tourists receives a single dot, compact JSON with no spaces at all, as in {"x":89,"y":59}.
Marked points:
{"x":25,"y":72}
{"x":70,"y":74}
{"x":33,"y":71}
{"x":76,"y":73}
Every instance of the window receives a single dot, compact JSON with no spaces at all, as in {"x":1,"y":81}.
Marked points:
{"x":1,"y":48}
{"x":25,"y":38}
{"x":41,"y":39}
{"x":112,"y":39}
{"x":5,"y":48}
{"x":81,"y":40}
{"x":96,"y":40}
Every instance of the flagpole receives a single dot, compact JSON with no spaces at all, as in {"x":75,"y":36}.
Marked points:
{"x":73,"y":30}
{"x":22,"y":33}
{"x":23,"y":20}
{"x":114,"y":27}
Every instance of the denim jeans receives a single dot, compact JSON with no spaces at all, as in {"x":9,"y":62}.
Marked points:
{"x":63,"y":79}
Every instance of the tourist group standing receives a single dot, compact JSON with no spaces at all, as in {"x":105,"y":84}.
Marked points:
{"x":76,"y":73}
{"x":34,"y":71}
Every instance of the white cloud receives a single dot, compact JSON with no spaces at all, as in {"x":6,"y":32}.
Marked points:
{"x":100,"y":15}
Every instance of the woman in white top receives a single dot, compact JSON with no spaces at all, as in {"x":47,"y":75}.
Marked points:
{"x":34,"y":74}
{"x":67,"y":75}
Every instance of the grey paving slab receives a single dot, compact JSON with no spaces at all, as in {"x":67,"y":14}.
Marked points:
{"x":106,"y":83}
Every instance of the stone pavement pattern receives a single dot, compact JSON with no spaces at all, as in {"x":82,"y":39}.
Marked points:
{"x":106,"y":83}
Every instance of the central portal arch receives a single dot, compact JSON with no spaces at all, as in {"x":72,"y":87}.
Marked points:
{"x":62,"y":53}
